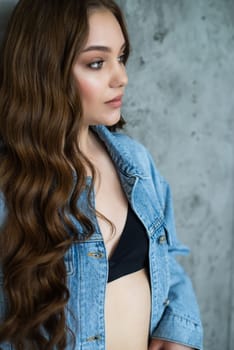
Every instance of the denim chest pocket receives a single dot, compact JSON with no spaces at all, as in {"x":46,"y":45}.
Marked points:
{"x":69,"y":261}
{"x":163,"y":243}
{"x":160,"y":266}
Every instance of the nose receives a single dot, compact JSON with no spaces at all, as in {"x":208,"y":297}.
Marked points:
{"x":119,"y":77}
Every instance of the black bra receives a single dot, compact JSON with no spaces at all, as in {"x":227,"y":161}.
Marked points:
{"x":131,"y":253}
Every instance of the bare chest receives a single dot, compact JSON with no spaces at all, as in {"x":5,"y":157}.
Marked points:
{"x":111,"y":202}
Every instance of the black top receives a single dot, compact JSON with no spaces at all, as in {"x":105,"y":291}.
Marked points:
{"x":131,"y":253}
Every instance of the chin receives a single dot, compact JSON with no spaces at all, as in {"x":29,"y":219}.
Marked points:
{"x":112,"y":120}
{"x":107,"y":120}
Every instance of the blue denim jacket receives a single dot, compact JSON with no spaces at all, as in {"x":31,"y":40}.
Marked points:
{"x":175,"y":315}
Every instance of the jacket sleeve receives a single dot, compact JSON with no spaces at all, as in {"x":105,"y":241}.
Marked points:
{"x":180,"y":322}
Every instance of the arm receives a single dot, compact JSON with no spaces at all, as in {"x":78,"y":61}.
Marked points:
{"x":180,"y":322}
{"x":180,"y":325}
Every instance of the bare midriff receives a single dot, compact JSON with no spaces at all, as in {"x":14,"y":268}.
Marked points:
{"x":128,"y":298}
{"x":127,"y":312}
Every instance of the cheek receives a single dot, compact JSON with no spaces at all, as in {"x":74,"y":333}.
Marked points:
{"x":89,"y":88}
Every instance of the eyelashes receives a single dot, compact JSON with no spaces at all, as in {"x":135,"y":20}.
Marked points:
{"x":98,"y":64}
{"x":123,"y":58}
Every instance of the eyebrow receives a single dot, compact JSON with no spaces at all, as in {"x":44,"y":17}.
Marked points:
{"x":101,"y":48}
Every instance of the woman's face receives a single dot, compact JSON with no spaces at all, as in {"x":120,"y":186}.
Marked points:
{"x":100,"y":71}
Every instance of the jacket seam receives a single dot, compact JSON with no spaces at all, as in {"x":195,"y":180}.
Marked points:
{"x":188,"y":319}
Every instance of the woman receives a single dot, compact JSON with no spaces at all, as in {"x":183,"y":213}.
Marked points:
{"x":87,"y":232}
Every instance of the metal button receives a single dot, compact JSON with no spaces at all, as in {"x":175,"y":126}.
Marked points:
{"x":166,"y":302}
{"x":94,"y":338}
{"x":97,"y":255}
{"x":162,"y":239}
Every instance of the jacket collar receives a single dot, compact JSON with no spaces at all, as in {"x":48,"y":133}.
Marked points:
{"x":121,"y":155}
{"x":130,"y":165}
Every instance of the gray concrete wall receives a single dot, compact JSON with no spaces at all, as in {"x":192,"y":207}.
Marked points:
{"x":179,"y":103}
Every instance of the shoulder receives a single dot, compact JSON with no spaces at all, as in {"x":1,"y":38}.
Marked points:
{"x":139,"y":154}
{"x":144,"y":162}
{"x":130,"y":156}
{"x":131,"y":144}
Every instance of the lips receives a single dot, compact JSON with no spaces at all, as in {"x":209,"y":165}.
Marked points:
{"x":115,"y":102}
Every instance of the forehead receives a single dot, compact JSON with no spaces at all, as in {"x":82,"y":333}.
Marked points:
{"x":104,"y":29}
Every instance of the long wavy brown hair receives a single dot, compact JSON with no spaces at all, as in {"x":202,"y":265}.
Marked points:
{"x":42,"y":172}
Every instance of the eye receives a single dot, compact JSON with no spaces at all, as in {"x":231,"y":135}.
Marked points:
{"x":122,"y":58}
{"x":96,"y":65}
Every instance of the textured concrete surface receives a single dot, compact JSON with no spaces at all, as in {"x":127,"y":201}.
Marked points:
{"x":179,"y":103}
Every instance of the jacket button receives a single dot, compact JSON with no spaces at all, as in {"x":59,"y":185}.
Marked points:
{"x":97,"y":255}
{"x":162,"y":239}
{"x":166,"y":302}
{"x":94,"y":338}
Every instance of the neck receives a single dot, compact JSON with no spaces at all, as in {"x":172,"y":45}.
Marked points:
{"x":89,"y":143}
{"x":84,"y":139}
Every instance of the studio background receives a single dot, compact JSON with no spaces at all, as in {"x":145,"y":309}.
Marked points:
{"x":179,"y":103}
